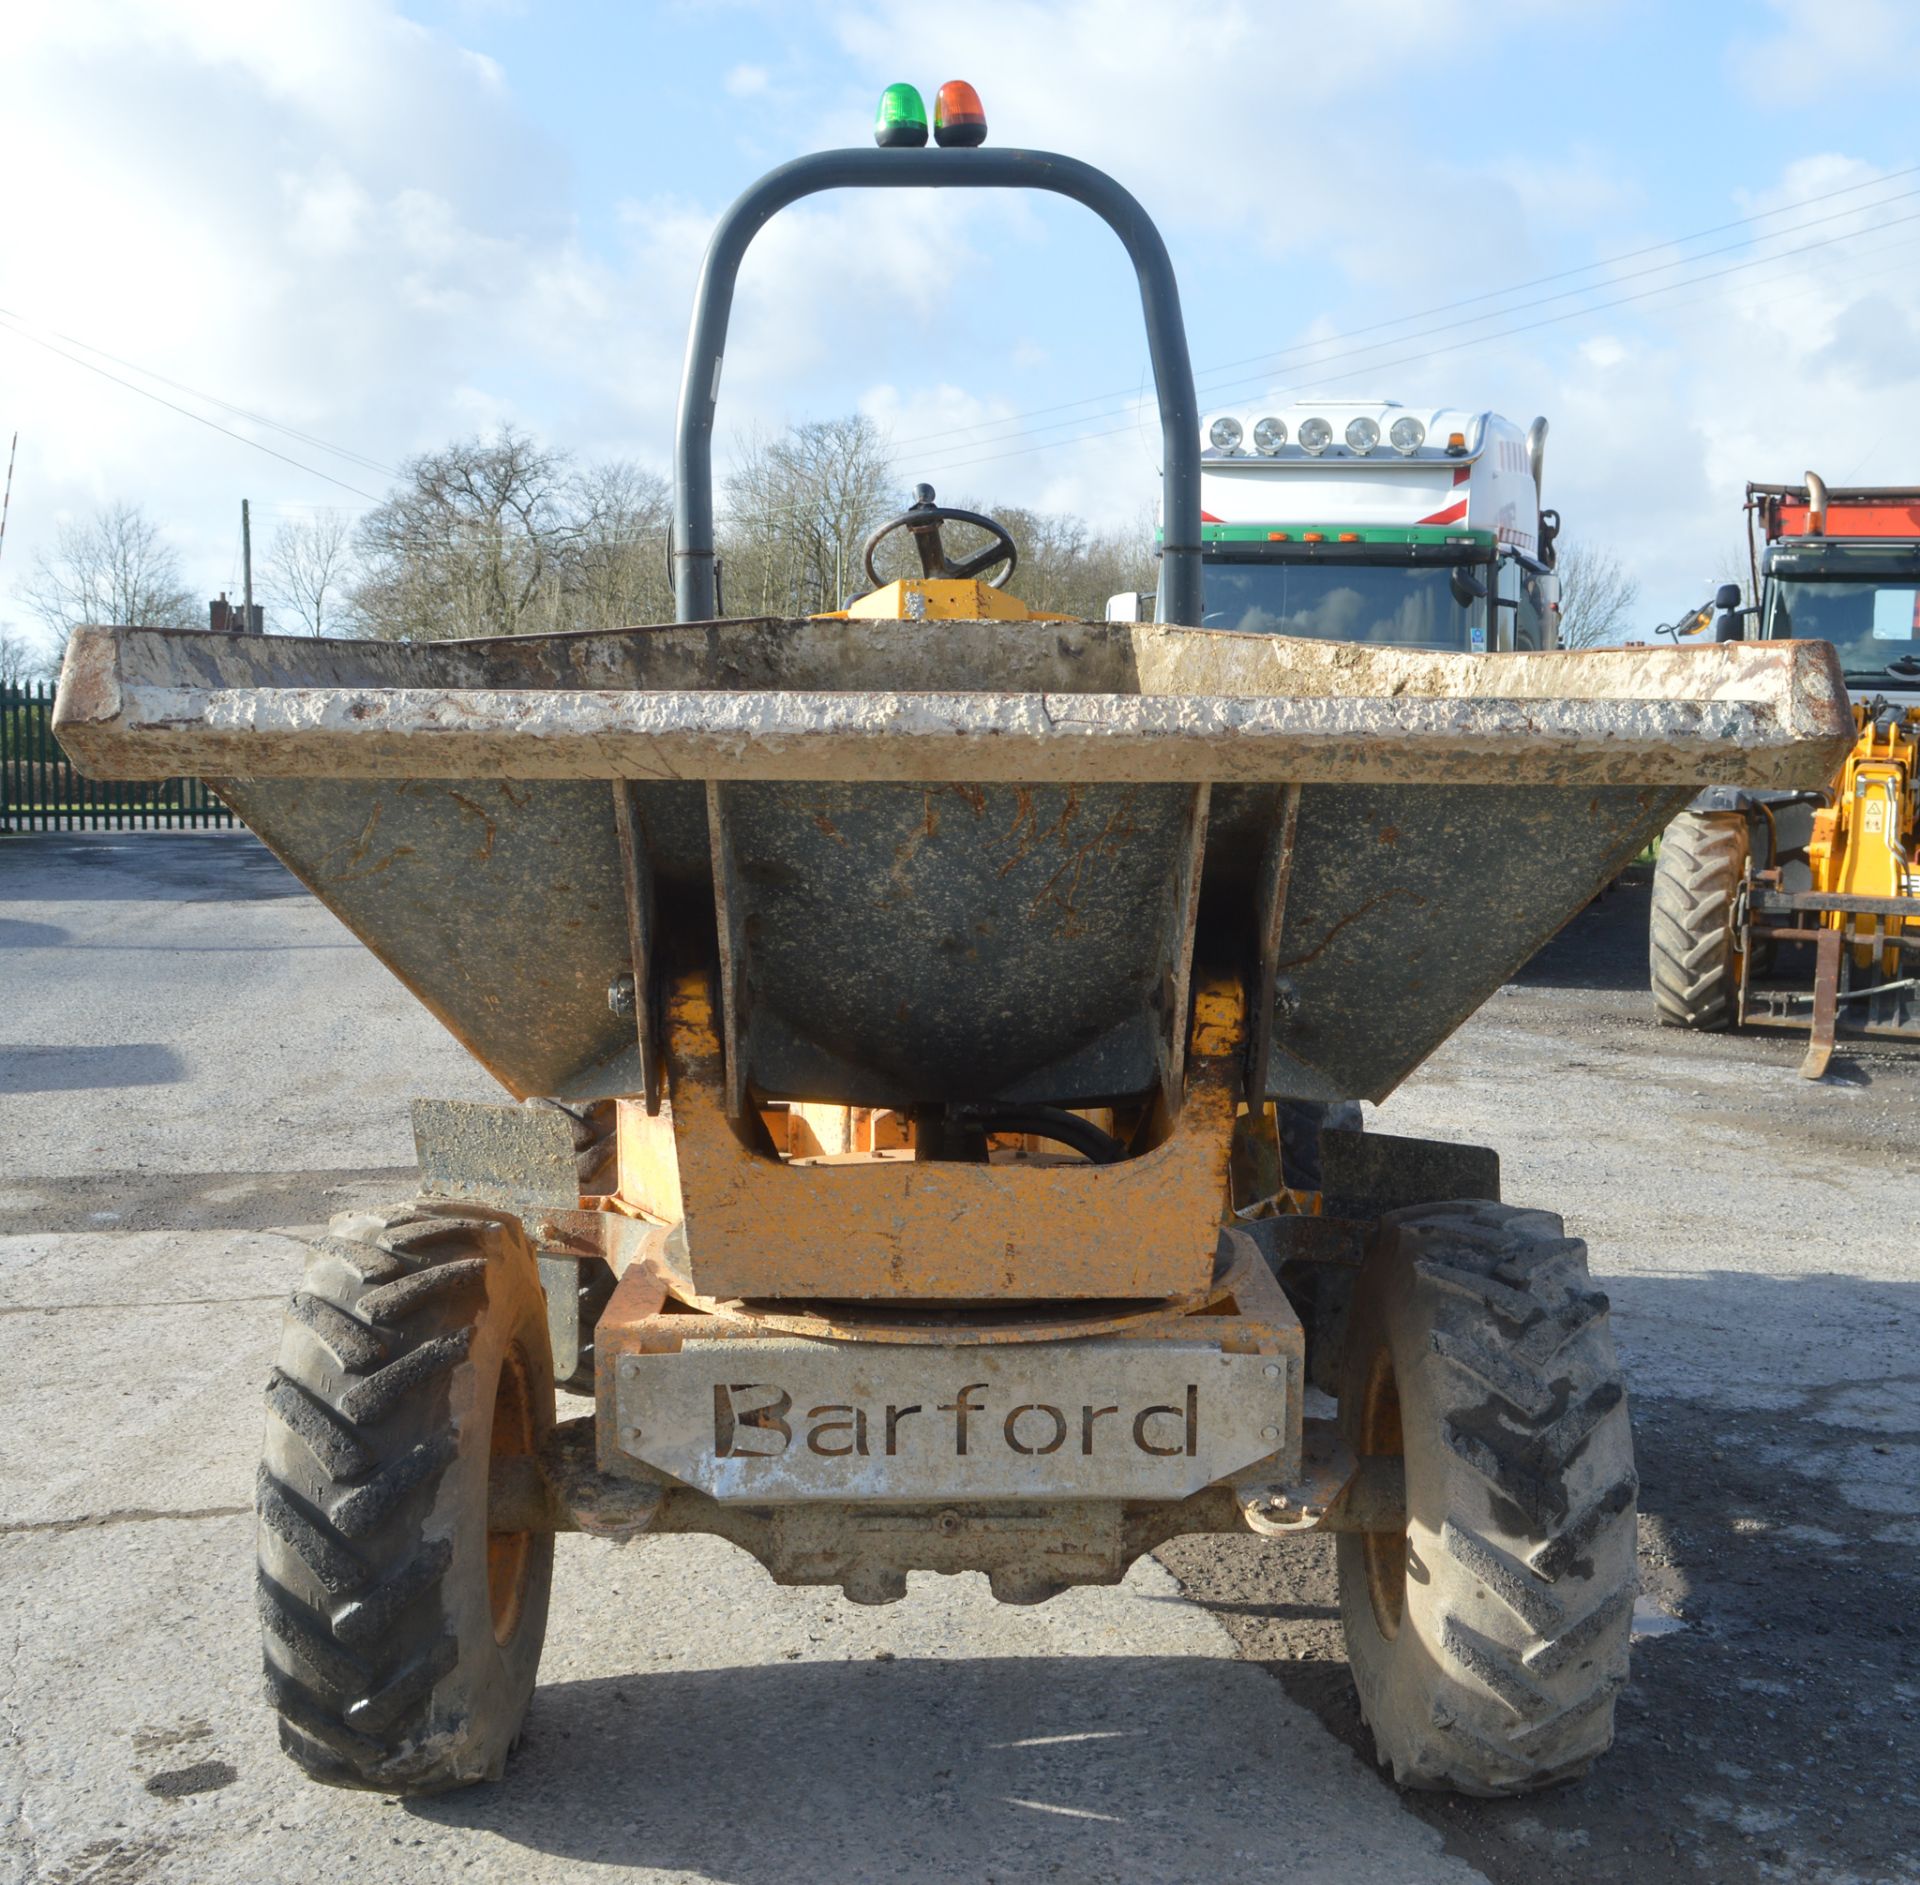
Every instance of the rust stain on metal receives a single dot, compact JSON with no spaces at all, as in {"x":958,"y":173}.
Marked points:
{"x":358,"y":847}
{"x":637,"y":891}
{"x":1276,"y":879}
{"x":1020,"y":831}
{"x":1399,"y":894}
{"x":1119,"y":827}
{"x":486,"y":819}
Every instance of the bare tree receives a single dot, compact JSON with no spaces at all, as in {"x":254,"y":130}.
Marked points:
{"x":500,"y":536}
{"x":115,"y":568}
{"x":21,"y":660}
{"x":798,"y":509}
{"x":619,"y":574}
{"x":475,"y":542}
{"x":1596,"y":596}
{"x":308,"y":569}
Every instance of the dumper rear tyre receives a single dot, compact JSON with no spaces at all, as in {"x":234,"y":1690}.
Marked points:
{"x":401,"y":1634}
{"x":1693,"y":943}
{"x":1489,"y":1639}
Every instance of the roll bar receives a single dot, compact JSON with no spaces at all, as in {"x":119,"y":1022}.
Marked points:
{"x":693,"y":575}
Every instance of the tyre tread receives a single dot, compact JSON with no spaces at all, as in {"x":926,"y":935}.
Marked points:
{"x":1691,"y":960}
{"x":1529,"y":1582}
{"x":358,"y":1445}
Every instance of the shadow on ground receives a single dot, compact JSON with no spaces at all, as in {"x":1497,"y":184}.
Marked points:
{"x":142,"y":867}
{"x":88,"y":1069}
{"x":1774,"y":1718}
{"x":1005,"y":1769}
{"x":17,"y":935}
{"x":1604,"y":947}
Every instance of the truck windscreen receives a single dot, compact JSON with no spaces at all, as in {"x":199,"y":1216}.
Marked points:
{"x":1408,"y":608}
{"x":1875,"y":626}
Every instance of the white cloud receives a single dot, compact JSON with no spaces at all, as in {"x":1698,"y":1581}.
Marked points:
{"x":317,"y":211}
{"x":1840,"y":49}
{"x":323,"y":211}
{"x":1804,"y":361}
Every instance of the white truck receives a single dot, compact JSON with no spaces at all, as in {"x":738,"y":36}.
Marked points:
{"x":1366,"y":520}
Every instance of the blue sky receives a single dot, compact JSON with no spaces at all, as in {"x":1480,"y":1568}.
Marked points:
{"x":384,"y":225}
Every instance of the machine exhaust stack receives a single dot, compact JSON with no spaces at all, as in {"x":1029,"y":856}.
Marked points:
{"x":1816,"y":505}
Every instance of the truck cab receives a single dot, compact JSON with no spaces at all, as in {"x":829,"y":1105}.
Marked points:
{"x":1366,"y":520}
{"x":1843,"y":566}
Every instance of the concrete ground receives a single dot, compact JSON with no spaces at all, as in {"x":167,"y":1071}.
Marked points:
{"x":194,"y":1058}
{"x":1760,"y":1239}
{"x":195,"y":1061}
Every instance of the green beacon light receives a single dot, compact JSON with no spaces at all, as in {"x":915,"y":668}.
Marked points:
{"x":901,"y":122}
{"x":958,"y":117}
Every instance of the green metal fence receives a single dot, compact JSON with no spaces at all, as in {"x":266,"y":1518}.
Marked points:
{"x":40,"y":790}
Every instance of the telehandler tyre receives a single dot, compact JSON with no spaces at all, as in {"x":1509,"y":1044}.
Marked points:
{"x":1488,"y":1640}
{"x":1692,"y":945}
{"x":401,"y":1635}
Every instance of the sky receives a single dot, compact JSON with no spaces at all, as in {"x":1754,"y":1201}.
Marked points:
{"x":348,"y":231}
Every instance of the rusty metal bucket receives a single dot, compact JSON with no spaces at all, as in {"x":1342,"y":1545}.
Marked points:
{"x":954,"y":861}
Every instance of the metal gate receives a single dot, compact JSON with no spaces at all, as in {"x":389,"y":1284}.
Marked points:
{"x":40,"y":790}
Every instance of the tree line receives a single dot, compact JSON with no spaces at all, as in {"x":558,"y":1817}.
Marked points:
{"x":501,"y":535}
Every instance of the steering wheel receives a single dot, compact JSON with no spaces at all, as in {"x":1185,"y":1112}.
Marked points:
{"x":922,"y":519}
{"x":1907,"y":668}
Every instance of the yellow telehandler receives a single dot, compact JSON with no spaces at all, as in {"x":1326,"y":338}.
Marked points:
{"x":1756,"y":890}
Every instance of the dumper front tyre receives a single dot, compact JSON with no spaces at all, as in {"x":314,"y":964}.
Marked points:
{"x":1693,"y":938}
{"x":1489,"y":1639}
{"x":402,"y":1635}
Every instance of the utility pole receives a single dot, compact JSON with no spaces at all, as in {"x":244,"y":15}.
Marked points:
{"x":6,"y":501}
{"x":246,"y":566}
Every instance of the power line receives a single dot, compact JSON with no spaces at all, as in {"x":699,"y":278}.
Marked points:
{"x":1495,"y":294}
{"x":1633,"y":255}
{"x":24,"y":322}
{"x":10,"y":321}
{"x":1690,"y":281}
{"x":1123,"y":431}
{"x":1217,"y":385}
{"x":1430,"y":353}
{"x":185,"y":412}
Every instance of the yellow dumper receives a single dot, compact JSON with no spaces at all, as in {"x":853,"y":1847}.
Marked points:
{"x":895,"y":1006}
